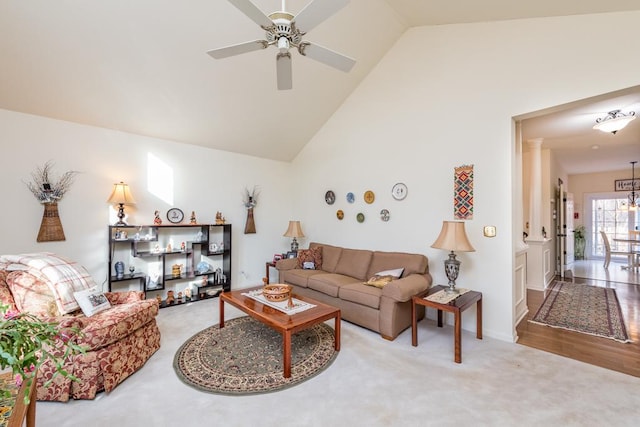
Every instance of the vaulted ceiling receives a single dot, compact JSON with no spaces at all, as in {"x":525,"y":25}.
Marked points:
{"x":141,"y":66}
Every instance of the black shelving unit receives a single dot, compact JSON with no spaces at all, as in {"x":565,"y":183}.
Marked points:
{"x":148,"y":243}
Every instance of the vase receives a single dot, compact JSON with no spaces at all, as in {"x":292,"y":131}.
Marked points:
{"x":250,"y":226}
{"x":580,"y":245}
{"x":50,"y":227}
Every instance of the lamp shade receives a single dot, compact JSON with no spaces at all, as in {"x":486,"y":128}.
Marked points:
{"x":294,"y":230}
{"x":121,"y":195}
{"x":453,"y":237}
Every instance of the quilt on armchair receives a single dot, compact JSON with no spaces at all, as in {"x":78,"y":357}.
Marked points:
{"x":118,"y":341}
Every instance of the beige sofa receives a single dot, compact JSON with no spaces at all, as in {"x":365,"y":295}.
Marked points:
{"x":338,"y":280}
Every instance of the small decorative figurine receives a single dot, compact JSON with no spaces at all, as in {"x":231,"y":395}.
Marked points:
{"x":205,"y":280}
{"x":170,"y":298}
{"x":179,"y":297}
{"x":187,"y":293}
{"x":183,"y":246}
{"x":159,"y":299}
{"x":169,"y":248}
{"x":176,"y":270}
{"x":219,"y":218}
{"x":157,"y":220}
{"x":193,"y":218}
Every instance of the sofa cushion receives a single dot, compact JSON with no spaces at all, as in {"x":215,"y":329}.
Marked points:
{"x":298,"y":277}
{"x":32,"y":295}
{"x":63,"y":276}
{"x":313,"y":255}
{"x":329,"y":283}
{"x":120,"y":320}
{"x":361,"y":294}
{"x":6,"y":298}
{"x":330,"y":256}
{"x":412,"y":263}
{"x":355,"y":263}
{"x":379,"y":281}
{"x":91,"y":301}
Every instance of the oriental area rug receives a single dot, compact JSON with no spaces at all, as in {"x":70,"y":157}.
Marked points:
{"x":582,"y":308}
{"x":245,"y":357}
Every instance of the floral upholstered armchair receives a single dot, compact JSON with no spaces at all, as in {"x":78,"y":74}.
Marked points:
{"x":118,"y":335}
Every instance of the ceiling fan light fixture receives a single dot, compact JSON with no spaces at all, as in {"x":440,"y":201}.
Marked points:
{"x":614,"y":121}
{"x":283,"y":44}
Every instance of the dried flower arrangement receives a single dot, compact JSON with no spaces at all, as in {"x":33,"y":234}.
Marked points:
{"x":43,"y":187}
{"x":250,"y":198}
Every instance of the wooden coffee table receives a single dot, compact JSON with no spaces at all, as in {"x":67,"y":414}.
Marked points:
{"x":285,"y":324}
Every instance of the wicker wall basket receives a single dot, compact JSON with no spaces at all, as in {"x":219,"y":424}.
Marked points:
{"x":50,"y":227}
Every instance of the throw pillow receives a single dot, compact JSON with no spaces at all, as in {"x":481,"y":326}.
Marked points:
{"x":32,"y":295}
{"x":313,"y":255}
{"x":396,"y":273}
{"x":379,"y":281}
{"x":91,"y":301}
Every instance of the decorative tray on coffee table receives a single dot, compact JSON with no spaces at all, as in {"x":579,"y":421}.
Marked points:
{"x":283,"y":306}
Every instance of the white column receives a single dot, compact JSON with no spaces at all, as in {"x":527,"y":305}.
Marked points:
{"x":535,"y":199}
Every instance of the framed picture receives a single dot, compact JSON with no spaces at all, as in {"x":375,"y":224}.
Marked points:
{"x":277,"y":257}
{"x":627,"y":184}
{"x":292,"y":254}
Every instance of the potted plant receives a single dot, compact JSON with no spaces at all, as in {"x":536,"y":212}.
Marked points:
{"x":26,"y":342}
{"x":579,"y":234}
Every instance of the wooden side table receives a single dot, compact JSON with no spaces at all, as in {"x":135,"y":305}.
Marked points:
{"x":18,"y":414}
{"x":270,"y":264}
{"x":457,"y":306}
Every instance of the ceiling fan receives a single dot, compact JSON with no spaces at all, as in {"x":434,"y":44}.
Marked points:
{"x":285,"y":30}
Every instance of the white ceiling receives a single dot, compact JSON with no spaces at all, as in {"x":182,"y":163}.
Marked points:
{"x":141,"y":67}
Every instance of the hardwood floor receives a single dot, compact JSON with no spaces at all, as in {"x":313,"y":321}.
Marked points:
{"x":603,"y":352}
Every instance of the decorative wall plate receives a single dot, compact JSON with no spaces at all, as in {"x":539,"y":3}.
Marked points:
{"x":350,"y":197}
{"x":399,"y":191}
{"x":384,"y":215}
{"x":369,"y":197}
{"x":360,"y":217}
{"x":329,"y":197}
{"x":340,"y":214}
{"x":175,"y":215}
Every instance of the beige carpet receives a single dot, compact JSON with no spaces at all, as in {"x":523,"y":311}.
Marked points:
{"x":373,"y":382}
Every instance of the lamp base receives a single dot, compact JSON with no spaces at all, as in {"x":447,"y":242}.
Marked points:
{"x":452,"y":267}
{"x":120,"y":222}
{"x":294,"y":245}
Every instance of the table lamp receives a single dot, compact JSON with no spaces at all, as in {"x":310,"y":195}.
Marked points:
{"x":121,"y":196}
{"x":452,"y":238}
{"x":294,"y":231}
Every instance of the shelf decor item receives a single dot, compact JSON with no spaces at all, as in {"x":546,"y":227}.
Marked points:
{"x":49,"y":193}
{"x":121,"y":195}
{"x":250,"y":201}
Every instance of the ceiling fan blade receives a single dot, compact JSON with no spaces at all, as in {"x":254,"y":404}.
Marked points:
{"x":237,"y":49}
{"x":327,"y":56}
{"x":283,"y":69}
{"x":316,"y":12}
{"x":253,"y":12}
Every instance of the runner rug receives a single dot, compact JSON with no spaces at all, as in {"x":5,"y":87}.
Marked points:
{"x":245,"y":357}
{"x":582,"y":308}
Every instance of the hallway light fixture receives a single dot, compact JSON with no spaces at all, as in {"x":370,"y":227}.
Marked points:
{"x":614,"y":121}
{"x":633,"y":196}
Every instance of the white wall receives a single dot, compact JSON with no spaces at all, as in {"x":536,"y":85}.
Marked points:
{"x":442,"y":97}
{"x":205,"y":181}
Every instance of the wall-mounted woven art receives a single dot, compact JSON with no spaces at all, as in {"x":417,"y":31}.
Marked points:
{"x":463,"y":192}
